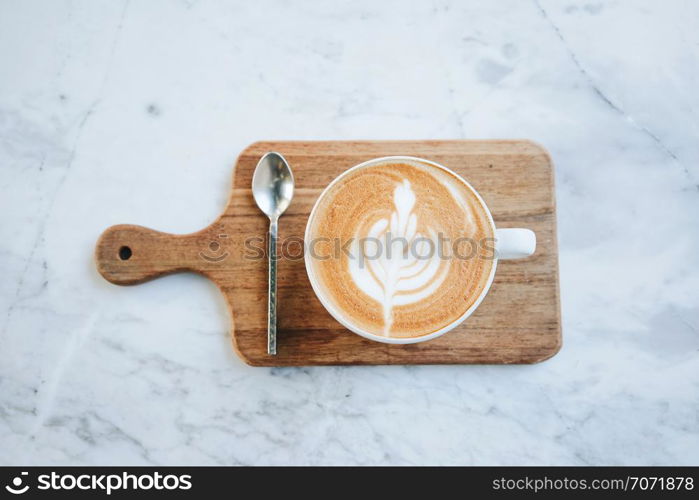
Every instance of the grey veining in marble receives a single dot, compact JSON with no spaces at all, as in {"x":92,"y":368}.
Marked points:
{"x":134,"y":111}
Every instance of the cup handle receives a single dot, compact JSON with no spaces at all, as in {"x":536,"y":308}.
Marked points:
{"x":514,"y":243}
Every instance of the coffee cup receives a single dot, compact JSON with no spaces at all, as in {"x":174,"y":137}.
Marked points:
{"x":402,"y":250}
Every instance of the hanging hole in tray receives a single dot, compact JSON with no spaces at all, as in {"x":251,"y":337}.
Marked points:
{"x":125,"y":253}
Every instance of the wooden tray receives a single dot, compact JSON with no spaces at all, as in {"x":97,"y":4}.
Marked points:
{"x":518,"y":322}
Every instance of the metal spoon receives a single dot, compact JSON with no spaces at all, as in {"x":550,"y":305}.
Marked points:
{"x":272,"y":188}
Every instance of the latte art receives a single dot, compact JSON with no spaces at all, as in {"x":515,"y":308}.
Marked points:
{"x":405,"y":267}
{"x":396,"y":280}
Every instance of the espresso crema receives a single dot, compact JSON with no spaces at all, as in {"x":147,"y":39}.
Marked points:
{"x":400,"y":248}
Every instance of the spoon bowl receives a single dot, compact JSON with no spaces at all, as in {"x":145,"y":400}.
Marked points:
{"x":273,"y":185}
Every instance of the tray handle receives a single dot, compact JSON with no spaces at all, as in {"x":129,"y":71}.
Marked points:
{"x":128,"y":254}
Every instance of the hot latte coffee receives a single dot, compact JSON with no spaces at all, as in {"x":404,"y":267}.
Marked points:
{"x":400,"y":248}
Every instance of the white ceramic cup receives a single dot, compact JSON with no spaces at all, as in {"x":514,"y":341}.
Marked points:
{"x":511,"y":243}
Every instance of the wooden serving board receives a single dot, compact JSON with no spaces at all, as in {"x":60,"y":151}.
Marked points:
{"x":518,"y":322}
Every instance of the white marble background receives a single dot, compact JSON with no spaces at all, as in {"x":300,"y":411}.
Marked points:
{"x":134,"y":111}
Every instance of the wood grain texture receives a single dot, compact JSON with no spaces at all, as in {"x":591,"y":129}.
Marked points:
{"x":518,"y":322}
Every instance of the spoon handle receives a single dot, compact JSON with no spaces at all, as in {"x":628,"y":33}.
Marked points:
{"x":272,"y":291}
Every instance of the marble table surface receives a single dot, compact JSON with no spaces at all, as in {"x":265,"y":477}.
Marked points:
{"x":134,"y":111}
